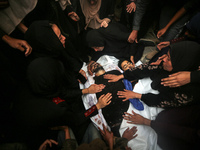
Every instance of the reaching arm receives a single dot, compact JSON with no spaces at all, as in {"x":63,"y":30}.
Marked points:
{"x":177,"y":16}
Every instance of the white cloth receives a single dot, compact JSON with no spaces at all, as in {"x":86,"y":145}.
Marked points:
{"x":11,"y":16}
{"x":147,"y":138}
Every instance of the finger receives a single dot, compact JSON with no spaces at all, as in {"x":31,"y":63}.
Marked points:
{"x":49,"y":143}
{"x":127,"y":129}
{"x":54,"y":142}
{"x":136,"y":41}
{"x":134,"y":136}
{"x":108,"y":102}
{"x":131,"y":122}
{"x":134,"y":113}
{"x":133,"y":128}
{"x":125,"y":100}
{"x":101,"y":96}
{"x":174,"y":74}
{"x":122,"y":96}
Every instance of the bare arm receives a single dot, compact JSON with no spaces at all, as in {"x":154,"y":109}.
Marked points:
{"x":177,"y":16}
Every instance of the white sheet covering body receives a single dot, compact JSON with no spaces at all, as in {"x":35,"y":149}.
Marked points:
{"x":147,"y":138}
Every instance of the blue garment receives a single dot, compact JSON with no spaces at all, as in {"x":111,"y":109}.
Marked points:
{"x":135,"y":101}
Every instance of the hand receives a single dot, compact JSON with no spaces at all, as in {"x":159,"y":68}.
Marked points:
{"x":104,"y":24}
{"x":133,"y":36}
{"x":112,"y":77}
{"x":89,"y":68}
{"x":73,"y":16}
{"x":161,"y":32}
{"x":104,"y":100}
{"x":159,"y":60}
{"x":107,"y":136}
{"x":18,"y":44}
{"x":49,"y":142}
{"x":134,"y":118}
{"x":131,"y":7}
{"x":177,"y":79}
{"x":132,"y":60}
{"x":95,"y":88}
{"x":162,"y":45}
{"x":127,"y":94}
{"x":129,"y":134}
{"x":83,"y":73}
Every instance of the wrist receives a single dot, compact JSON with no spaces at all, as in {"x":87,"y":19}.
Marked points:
{"x":85,"y":91}
{"x":98,"y":106}
{"x":147,"y":122}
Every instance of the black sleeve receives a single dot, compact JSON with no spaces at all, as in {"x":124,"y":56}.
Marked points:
{"x":172,"y":130}
{"x":107,"y":9}
{"x":195,"y":77}
{"x":141,"y":72}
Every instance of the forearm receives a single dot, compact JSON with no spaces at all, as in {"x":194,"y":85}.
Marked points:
{"x":177,"y":16}
{"x":22,"y":28}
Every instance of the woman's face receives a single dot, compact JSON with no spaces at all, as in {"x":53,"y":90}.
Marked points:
{"x":92,"y":2}
{"x":61,"y":37}
{"x":98,"y":48}
{"x":167,"y":64}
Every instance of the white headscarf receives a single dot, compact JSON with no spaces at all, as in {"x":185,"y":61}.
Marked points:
{"x":11,"y":16}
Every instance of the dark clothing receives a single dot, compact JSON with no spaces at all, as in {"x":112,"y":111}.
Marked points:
{"x":45,"y":43}
{"x":195,"y":77}
{"x":2,"y":33}
{"x":177,"y":128}
{"x":114,"y":111}
{"x":184,"y":57}
{"x":114,"y":39}
{"x":50,"y":100}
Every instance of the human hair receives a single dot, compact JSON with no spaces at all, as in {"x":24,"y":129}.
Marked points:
{"x":121,"y":60}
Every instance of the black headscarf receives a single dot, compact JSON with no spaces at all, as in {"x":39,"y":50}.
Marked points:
{"x":46,"y":76}
{"x":45,"y":43}
{"x":113,"y":38}
{"x":185,"y":56}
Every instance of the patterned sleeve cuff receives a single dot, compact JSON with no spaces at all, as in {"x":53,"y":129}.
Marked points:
{"x":90,"y":111}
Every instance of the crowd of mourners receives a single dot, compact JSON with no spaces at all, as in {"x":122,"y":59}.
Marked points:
{"x":44,"y":45}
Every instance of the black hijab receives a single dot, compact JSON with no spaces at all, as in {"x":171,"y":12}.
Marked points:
{"x":45,"y":43}
{"x":185,"y":56}
{"x":46,"y":77}
{"x":113,"y":38}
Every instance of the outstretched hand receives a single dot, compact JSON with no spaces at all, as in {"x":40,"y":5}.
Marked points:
{"x":112,"y":77}
{"x":162,"y":45}
{"x":134,"y":118}
{"x":107,"y":136}
{"x":49,"y":142}
{"x":133,"y":36}
{"x":159,"y":60}
{"x":161,"y":32}
{"x":104,"y":100}
{"x":127,"y":94}
{"x":95,"y":88}
{"x":130,"y":134}
{"x":73,"y":16}
{"x":177,"y":79}
{"x":131,"y":7}
{"x":18,"y":44}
